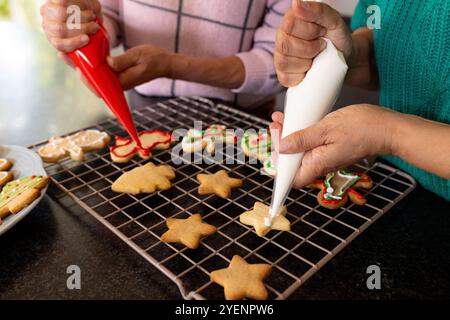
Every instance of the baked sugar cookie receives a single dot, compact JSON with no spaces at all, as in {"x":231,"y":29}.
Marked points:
{"x":5,"y":164}
{"x":5,"y":177}
{"x":339,"y":186}
{"x":187,"y":231}
{"x":256,"y":218}
{"x":125,"y":149}
{"x":218,"y":183}
{"x":19,"y":193}
{"x":145,"y":179}
{"x":242,"y":280}
{"x":208,"y":139}
{"x":74,"y":145}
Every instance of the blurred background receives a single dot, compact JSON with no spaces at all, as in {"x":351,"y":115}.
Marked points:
{"x":34,"y":82}
{"x":40,"y":96}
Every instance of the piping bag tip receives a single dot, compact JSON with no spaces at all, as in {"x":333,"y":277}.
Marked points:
{"x":91,"y":60}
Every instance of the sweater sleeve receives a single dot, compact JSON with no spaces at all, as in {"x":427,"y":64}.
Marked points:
{"x":260,"y":75}
{"x":111,"y":19}
{"x":359,"y":18}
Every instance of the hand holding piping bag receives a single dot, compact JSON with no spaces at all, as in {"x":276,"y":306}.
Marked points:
{"x":307,"y":102}
{"x":352,"y":133}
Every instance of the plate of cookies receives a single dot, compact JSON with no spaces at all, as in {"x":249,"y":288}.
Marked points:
{"x":23,"y":183}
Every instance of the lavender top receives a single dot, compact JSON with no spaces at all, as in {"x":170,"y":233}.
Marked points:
{"x":203,"y":28}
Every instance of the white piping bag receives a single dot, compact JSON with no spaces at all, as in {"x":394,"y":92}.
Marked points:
{"x":306,"y":104}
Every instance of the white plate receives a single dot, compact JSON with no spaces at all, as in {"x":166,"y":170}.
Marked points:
{"x":26,"y":163}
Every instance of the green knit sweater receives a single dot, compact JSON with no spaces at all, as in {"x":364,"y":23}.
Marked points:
{"x":412,"y":50}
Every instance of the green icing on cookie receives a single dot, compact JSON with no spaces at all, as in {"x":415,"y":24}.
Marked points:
{"x":14,"y":188}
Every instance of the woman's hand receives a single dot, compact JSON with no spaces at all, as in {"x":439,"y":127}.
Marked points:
{"x":54,"y":22}
{"x":298,"y":39}
{"x":342,"y":138}
{"x":141,"y":64}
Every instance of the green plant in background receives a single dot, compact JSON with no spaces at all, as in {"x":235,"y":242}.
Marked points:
{"x":4,"y":9}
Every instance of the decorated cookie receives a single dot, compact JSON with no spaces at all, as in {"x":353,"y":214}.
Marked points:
{"x":5,"y":164}
{"x":19,"y":193}
{"x":256,"y":218}
{"x":242,"y":280}
{"x":187,"y":231}
{"x":259,"y":146}
{"x":5,"y":177}
{"x":339,"y":186}
{"x":125,"y":149}
{"x":145,"y":179}
{"x":207,"y":139}
{"x":218,"y":183}
{"x":74,"y":145}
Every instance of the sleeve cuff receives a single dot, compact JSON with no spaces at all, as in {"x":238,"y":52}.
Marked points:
{"x":258,"y":73}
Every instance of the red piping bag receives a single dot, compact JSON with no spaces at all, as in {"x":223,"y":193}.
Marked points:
{"x":91,"y":60}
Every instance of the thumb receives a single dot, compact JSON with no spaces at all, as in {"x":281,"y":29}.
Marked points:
{"x":304,"y":140}
{"x":122,"y":62}
{"x":316,"y":12}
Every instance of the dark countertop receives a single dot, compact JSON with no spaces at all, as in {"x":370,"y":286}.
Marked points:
{"x":411,"y":243}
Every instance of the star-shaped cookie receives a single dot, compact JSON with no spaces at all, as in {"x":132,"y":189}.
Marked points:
{"x":145,"y":179}
{"x":256,"y":218}
{"x":187,"y":231}
{"x":218,"y":183}
{"x":242,"y":280}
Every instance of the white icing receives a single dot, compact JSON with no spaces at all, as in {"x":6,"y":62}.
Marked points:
{"x":74,"y":144}
{"x":348,"y":182}
{"x":306,"y":104}
{"x":196,"y":141}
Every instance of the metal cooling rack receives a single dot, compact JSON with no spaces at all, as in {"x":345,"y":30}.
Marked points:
{"x":317,"y":234}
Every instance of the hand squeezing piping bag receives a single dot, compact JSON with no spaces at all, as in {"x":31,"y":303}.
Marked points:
{"x":91,"y":60}
{"x":306,"y":104}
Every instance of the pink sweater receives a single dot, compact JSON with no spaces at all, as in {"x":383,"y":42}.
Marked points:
{"x":203,"y":28}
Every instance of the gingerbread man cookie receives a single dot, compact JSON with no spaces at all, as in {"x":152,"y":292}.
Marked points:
{"x":19,"y":193}
{"x":74,"y":145}
{"x":256,"y":218}
{"x":259,"y":146}
{"x":125,"y":149}
{"x":145,"y":179}
{"x":339,"y":186}
{"x":218,"y":183}
{"x":242,"y":280}
{"x":187,"y":231}
{"x":207,"y":139}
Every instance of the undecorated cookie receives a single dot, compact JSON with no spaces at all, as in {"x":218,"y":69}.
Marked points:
{"x":242,"y":280}
{"x":339,"y":186}
{"x":74,"y":145}
{"x":145,"y":179}
{"x":218,"y":183}
{"x":256,"y":218}
{"x":5,"y":164}
{"x":19,"y":193}
{"x":187,"y":231}
{"x":125,"y":149}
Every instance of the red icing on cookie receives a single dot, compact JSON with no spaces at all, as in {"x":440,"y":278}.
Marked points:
{"x":145,"y":151}
{"x":364,"y":182}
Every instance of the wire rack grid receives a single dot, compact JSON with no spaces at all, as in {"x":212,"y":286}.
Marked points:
{"x":317,"y":234}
